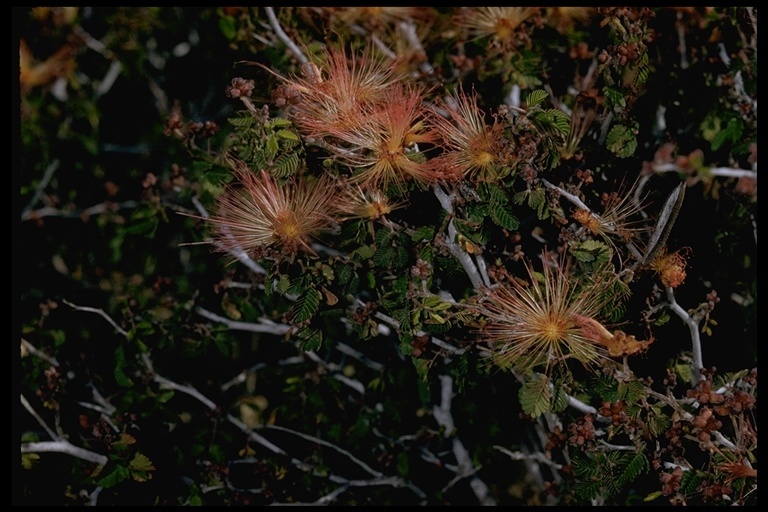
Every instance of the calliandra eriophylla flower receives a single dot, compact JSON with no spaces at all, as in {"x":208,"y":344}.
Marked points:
{"x":542,"y":324}
{"x":383,"y":150}
{"x":370,"y":204}
{"x":256,"y":212}
{"x":471,"y":147}
{"x":501,"y":24}
{"x":334,"y":94}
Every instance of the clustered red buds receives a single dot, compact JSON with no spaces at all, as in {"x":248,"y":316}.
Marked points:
{"x":704,"y":394}
{"x":706,"y":423}
{"x":671,"y":481}
{"x":615,"y":411}
{"x":582,"y":431}
{"x":240,"y":88}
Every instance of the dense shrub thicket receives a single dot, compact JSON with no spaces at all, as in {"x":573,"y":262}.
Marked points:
{"x":386,"y":255}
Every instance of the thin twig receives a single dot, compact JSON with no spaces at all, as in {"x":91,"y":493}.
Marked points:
{"x":463,"y":257}
{"x":265,"y":325}
{"x":727,"y":172}
{"x":408,"y":29}
{"x":273,"y":21}
{"x":98,"y":312}
{"x":47,"y":175}
{"x":34,"y":414}
{"x":50,"y":211}
{"x":39,"y":353}
{"x":336,"y":373}
{"x":615,"y":447}
{"x":440,"y":343}
{"x":442,"y":414}
{"x":370,"y":363}
{"x":536,"y":457}
{"x":570,"y":197}
{"x":63,"y":446}
{"x":693,"y":328}
{"x":581,"y":406}
{"x":332,"y":446}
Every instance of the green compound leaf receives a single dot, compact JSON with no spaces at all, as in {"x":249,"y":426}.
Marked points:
{"x":621,"y":141}
{"x":307,"y":305}
{"x":423,"y":233}
{"x":140,"y":467}
{"x":536,"y":97}
{"x":311,"y":339}
{"x":535,"y":395}
{"x":591,"y":251}
{"x":560,"y":121}
{"x":636,"y":464}
{"x":287,"y":135}
{"x":285,"y":165}
{"x":272,"y":146}
{"x":504,"y":217}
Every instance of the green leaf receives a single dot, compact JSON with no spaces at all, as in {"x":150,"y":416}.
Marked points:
{"x":29,"y":459}
{"x":228,"y":27}
{"x":537,"y":199}
{"x":636,"y":464}
{"x":535,"y":395}
{"x":344,"y":274}
{"x":307,"y":305}
{"x":653,"y":496}
{"x":731,"y":133}
{"x":423,"y":233}
{"x":504,"y":217}
{"x":283,"y":284}
{"x":621,"y":141}
{"x":120,"y":377}
{"x":285,"y":165}
{"x":280,"y":122}
{"x":119,"y":474}
{"x":241,"y":122}
{"x":272,"y":147}
{"x":498,"y":195}
{"x":476,"y":212}
{"x":591,"y":251}
{"x":287,"y":134}
{"x":615,"y":98}
{"x":535,"y":97}
{"x":141,"y":462}
{"x":560,"y":400}
{"x":560,"y":121}
{"x":144,"y":222}
{"x":311,"y":339}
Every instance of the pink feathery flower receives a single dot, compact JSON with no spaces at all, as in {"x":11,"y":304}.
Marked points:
{"x":256,"y":212}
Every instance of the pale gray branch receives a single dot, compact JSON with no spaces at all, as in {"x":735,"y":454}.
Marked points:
{"x":536,"y":457}
{"x":25,"y":345}
{"x":693,"y":328}
{"x":47,"y":175}
{"x":440,"y":343}
{"x":265,"y":325}
{"x":34,"y":414}
{"x":50,"y":211}
{"x":98,"y":311}
{"x":62,"y":446}
{"x":444,"y":418}
{"x":463,"y":257}
{"x":334,"y":447}
{"x":283,"y":36}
